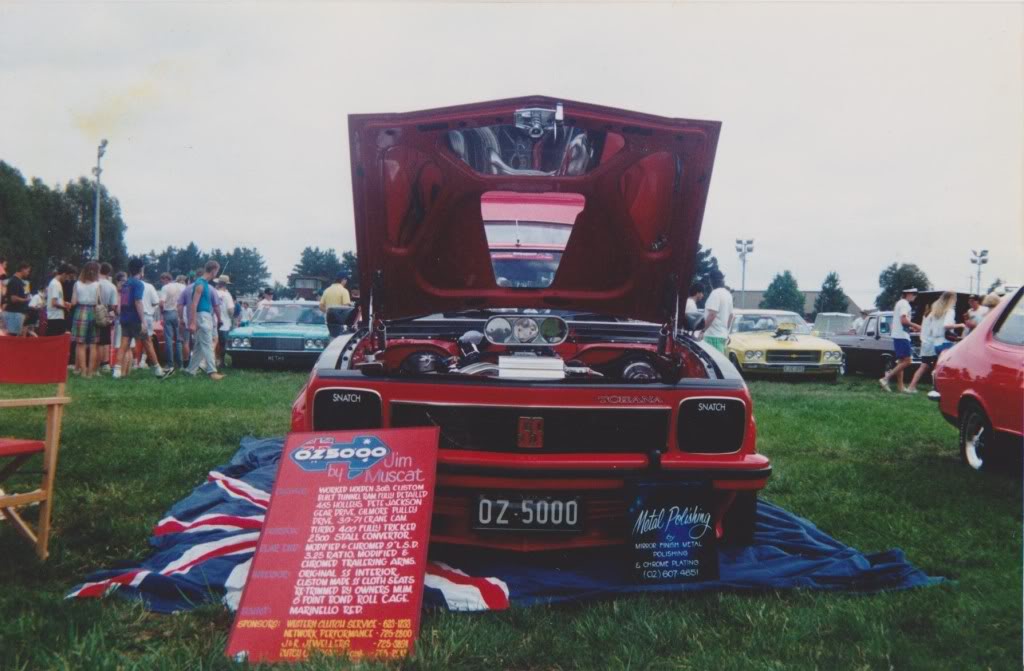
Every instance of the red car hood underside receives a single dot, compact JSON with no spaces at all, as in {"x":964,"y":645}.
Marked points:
{"x":419,"y":229}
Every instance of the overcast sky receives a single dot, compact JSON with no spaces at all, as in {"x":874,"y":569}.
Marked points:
{"x":853,"y":135}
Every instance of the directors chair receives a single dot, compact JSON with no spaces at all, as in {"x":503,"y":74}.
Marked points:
{"x":33,"y":361}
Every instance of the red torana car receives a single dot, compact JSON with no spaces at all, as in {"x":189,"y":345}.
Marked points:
{"x":981,"y":387}
{"x":522,"y":262}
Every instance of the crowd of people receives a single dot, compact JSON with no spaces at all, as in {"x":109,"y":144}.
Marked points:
{"x":112,"y":316}
{"x":938,"y":331}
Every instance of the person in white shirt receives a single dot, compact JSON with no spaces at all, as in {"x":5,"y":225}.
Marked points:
{"x":696,"y":295}
{"x":150,"y":306}
{"x":56,"y":305}
{"x":901,"y":330}
{"x":170,"y":292}
{"x":976,"y":313}
{"x":939,"y":320}
{"x":268,"y":298}
{"x":717,"y":313}
{"x":110,"y":297}
{"x":859,"y":321}
{"x":226,"y":314}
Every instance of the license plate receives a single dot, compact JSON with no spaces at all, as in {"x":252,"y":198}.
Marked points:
{"x":539,"y":513}
{"x":792,"y":369}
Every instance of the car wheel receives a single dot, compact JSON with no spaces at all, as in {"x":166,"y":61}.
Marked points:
{"x":976,"y":437}
{"x":740,"y":520}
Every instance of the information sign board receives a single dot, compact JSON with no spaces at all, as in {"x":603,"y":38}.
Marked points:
{"x":672,"y":533}
{"x":339,"y":566}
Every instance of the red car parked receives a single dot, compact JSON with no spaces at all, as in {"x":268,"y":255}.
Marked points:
{"x":522,"y":262}
{"x":981,"y":386}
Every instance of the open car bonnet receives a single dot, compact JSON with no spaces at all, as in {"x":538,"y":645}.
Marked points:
{"x":531,"y":202}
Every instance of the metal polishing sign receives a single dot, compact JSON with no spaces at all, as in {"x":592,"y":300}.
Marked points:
{"x":340,"y":563}
{"x":672,"y":533}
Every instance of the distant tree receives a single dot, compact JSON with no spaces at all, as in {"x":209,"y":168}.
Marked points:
{"x":281,"y":292}
{"x":783,"y":294}
{"x":318,"y":263}
{"x":831,"y":298}
{"x":248,"y":269}
{"x":47,"y":226}
{"x":350,"y":264}
{"x":704,"y":264}
{"x":998,"y":283}
{"x":897,"y":277}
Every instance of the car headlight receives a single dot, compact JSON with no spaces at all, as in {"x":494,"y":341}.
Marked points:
{"x":753,"y":355}
{"x":833,"y":356}
{"x":239,"y":343}
{"x":314,"y":343}
{"x":246,"y":343}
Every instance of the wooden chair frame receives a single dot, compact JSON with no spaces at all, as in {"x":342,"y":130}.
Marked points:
{"x":10,"y":502}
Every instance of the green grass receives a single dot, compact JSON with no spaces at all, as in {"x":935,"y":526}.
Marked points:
{"x":876,"y":471}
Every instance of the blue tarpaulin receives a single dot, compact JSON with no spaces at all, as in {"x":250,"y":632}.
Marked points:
{"x":203,"y":548}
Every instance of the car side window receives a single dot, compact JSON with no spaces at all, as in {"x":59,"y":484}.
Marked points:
{"x":870,"y":328}
{"x":885,"y":326}
{"x":1010,"y":328}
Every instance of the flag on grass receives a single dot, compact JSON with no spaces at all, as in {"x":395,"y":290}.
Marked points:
{"x":203,"y":549}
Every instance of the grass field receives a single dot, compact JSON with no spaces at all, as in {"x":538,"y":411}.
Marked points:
{"x":876,"y":471}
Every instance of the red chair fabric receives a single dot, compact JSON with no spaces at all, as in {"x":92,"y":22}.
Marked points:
{"x":34,"y":360}
{"x":12,"y":447}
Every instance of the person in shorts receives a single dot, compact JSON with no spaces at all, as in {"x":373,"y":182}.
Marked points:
{"x":56,"y":304}
{"x":17,"y":299}
{"x":109,"y":297}
{"x":717,"y":313}
{"x":132,"y":318}
{"x":902,"y":327}
{"x":84,"y":297}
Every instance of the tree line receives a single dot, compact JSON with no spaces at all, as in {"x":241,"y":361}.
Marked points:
{"x":47,"y":226}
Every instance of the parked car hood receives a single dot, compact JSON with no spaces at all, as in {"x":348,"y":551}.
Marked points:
{"x":419,"y":181}
{"x":765,"y":340}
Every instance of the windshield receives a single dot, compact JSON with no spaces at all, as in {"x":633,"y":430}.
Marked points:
{"x":831,"y":324}
{"x":288,"y":314}
{"x":750,"y":323}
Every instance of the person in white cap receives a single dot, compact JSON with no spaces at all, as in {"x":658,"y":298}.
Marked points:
{"x":902,"y":327}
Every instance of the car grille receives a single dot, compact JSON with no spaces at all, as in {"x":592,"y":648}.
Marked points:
{"x":793,"y":356}
{"x":279,"y":344}
{"x":496,"y":429}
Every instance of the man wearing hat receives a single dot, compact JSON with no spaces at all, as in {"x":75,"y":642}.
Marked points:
{"x":901,"y":330}
{"x":225,"y":314}
{"x":335,"y":302}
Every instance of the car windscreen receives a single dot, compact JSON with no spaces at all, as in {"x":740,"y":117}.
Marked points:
{"x":751,"y":323}
{"x":288,"y":314}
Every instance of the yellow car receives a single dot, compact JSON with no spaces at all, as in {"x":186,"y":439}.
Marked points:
{"x":778,"y":342}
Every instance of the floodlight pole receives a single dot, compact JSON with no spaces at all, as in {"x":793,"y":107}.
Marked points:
{"x":102,"y":149}
{"x":743,"y":248}
{"x":979,"y":259}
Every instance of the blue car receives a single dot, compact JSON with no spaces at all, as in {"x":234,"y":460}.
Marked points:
{"x":283,"y":333}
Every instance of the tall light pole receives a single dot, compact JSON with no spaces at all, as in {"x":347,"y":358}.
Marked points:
{"x":979,"y":260}
{"x":744,"y":247}
{"x":100,"y":151}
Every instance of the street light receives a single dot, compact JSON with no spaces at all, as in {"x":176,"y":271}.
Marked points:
{"x":100,"y":151}
{"x":744,"y":247}
{"x":979,"y":260}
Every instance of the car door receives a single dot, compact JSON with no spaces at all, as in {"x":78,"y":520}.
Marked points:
{"x":866,"y":357}
{"x":1004,"y":386}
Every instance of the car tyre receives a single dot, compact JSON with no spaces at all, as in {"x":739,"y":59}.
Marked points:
{"x":740,"y":520}
{"x":976,"y":437}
